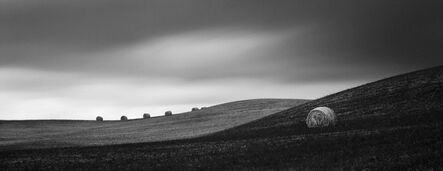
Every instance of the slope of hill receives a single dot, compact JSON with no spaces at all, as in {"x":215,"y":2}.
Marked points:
{"x":391,"y":124}
{"x":66,"y":133}
{"x":400,"y":100}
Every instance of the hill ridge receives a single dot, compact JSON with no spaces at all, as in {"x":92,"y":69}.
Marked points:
{"x":67,"y":133}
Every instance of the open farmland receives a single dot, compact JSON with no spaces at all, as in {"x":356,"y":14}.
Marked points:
{"x":391,"y":124}
{"x":67,"y":133}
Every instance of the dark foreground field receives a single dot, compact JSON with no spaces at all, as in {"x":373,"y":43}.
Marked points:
{"x":396,"y":123}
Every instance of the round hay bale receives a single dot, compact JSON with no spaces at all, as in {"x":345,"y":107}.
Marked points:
{"x":320,"y":117}
{"x":195,"y":109}
{"x":203,"y":108}
{"x":99,"y":118}
{"x":124,"y":118}
{"x":146,"y":116}
{"x":168,"y":113}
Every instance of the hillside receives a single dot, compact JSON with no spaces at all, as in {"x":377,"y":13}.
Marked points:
{"x":67,"y":133}
{"x":391,"y":124}
{"x":406,"y":99}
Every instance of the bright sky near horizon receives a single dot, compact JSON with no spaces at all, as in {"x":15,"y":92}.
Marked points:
{"x":62,"y":59}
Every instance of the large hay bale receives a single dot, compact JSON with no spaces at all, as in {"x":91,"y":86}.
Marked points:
{"x":99,"y":118}
{"x":168,"y":113}
{"x":124,"y":118}
{"x":146,"y":116}
{"x":320,"y":117}
{"x":194,"y":109}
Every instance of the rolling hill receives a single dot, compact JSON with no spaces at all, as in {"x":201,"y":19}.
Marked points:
{"x":413,"y":97}
{"x":68,"y":133}
{"x":391,"y":124}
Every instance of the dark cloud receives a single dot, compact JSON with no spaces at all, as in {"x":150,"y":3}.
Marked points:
{"x":376,"y":33}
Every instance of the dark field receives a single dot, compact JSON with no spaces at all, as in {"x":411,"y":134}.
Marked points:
{"x":395,"y":124}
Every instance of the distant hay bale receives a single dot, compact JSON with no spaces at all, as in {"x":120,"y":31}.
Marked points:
{"x":146,"y":116}
{"x":195,"y":109}
{"x":203,"y":108}
{"x":99,"y":118}
{"x":168,"y":113}
{"x":124,"y":118}
{"x":320,"y":117}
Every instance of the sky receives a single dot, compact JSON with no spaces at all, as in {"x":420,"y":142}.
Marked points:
{"x":64,"y":59}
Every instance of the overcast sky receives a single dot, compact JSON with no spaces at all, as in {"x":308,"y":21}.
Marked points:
{"x":76,"y":59}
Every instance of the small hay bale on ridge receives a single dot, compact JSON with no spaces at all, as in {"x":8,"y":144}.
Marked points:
{"x":99,"y":118}
{"x":146,"y":116}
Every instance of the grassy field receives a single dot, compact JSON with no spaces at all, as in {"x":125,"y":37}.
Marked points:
{"x":67,"y":133}
{"x":391,"y":124}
